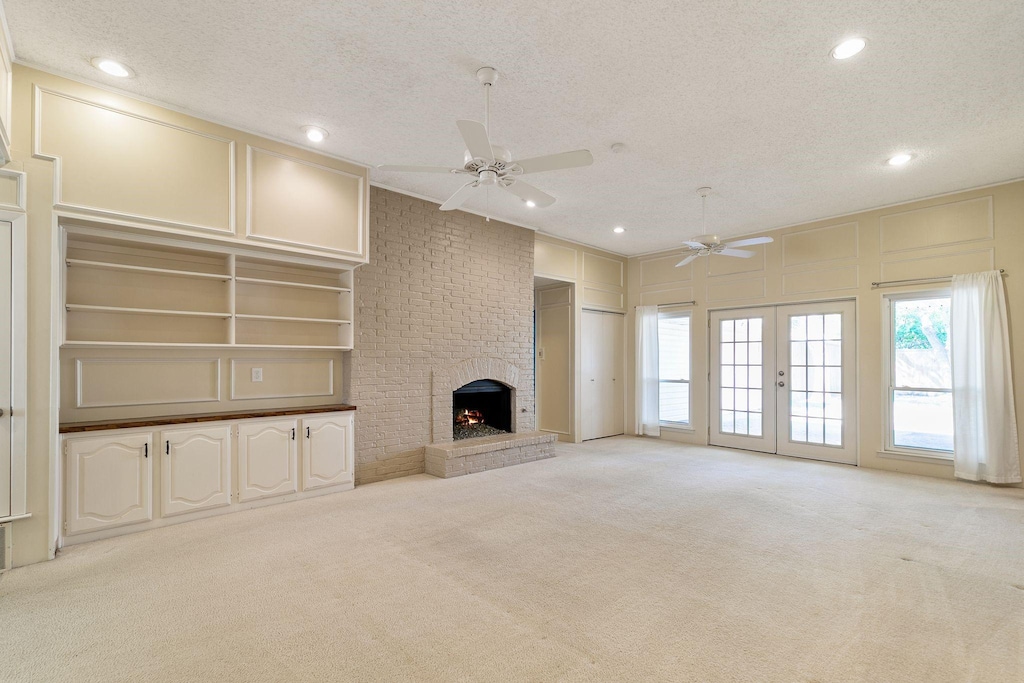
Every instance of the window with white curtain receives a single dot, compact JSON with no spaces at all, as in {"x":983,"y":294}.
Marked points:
{"x":918,"y":374}
{"x":674,"y":367}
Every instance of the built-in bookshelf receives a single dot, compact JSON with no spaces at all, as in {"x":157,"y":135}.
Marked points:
{"x":121,"y":291}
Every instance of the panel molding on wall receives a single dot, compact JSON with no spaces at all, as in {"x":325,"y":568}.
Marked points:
{"x":145,"y":381}
{"x":960,"y":222}
{"x":554,"y":260}
{"x":837,"y":242}
{"x":733,"y":290}
{"x":602,"y":270}
{"x":719,"y":266}
{"x":595,"y":297}
{"x":12,"y":190}
{"x":253,"y":199}
{"x":939,"y":265}
{"x":663,"y":297}
{"x":661,"y":270}
{"x":316,"y":379}
{"x":827,"y":280}
{"x":130,"y":177}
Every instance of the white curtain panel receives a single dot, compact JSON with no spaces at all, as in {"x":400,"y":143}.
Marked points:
{"x":985,"y":444}
{"x":647,"y":422}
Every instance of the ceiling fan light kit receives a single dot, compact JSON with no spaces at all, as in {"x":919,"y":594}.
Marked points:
{"x":707,"y":244}
{"x":490,"y":164}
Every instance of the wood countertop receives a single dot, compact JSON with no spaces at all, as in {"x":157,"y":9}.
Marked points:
{"x":76,"y":427}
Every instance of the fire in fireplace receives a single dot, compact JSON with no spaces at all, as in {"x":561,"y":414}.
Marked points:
{"x":481,"y":408}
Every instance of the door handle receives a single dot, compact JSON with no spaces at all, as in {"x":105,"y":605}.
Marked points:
{"x":1,"y":412}
{"x":782,"y":384}
{"x":307,"y":432}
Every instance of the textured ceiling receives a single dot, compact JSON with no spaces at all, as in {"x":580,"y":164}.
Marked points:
{"x":743,"y":97}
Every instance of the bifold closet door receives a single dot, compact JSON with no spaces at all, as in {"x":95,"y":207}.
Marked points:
{"x":6,"y":328}
{"x":603,"y":377}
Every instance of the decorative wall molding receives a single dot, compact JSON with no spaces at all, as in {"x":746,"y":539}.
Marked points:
{"x":325,"y":373}
{"x":827,"y":238}
{"x":141,"y":389}
{"x":18,"y":178}
{"x":362,"y":218}
{"x":968,"y":220}
{"x":603,"y":270}
{"x":106,"y":212}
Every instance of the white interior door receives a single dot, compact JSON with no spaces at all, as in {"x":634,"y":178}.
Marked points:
{"x":6,"y":328}
{"x":603,"y":364}
{"x":783,"y":380}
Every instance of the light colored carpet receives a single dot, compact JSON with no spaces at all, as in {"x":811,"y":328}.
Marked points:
{"x":619,"y":560}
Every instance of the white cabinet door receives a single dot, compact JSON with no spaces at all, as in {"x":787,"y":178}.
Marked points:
{"x":266,"y":459}
{"x":327,"y":451}
{"x":110,"y":481}
{"x":196,"y":471}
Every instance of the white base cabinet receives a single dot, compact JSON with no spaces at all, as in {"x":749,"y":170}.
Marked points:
{"x":125,"y":480}
{"x":196,"y":471}
{"x":328,"y":451}
{"x":110,"y":481}
{"x":266,"y":459}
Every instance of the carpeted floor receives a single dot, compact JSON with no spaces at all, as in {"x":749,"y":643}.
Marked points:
{"x":619,"y":560}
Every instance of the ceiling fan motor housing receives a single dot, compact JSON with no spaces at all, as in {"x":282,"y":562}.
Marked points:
{"x":710,"y":240}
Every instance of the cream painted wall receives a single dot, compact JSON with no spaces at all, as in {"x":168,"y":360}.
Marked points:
{"x":840,"y":258}
{"x":597,"y":281}
{"x":145,"y":169}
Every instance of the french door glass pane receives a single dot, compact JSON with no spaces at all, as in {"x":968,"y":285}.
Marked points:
{"x":816,"y":377}
{"x":923,"y":419}
{"x":741,"y":359}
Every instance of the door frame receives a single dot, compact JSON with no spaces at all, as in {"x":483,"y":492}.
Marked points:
{"x":855,"y":421}
{"x":18,"y":400}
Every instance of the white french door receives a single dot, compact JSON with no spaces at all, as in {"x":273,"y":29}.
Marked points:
{"x":783,"y":380}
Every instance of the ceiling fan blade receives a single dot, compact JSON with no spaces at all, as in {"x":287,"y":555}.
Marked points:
{"x":556,"y":162}
{"x":460,"y":197}
{"x":416,"y":169}
{"x":529,"y":193}
{"x":749,"y":242}
{"x":742,"y":253}
{"x":695,"y":245}
{"x":475,"y":136}
{"x":687,"y":260}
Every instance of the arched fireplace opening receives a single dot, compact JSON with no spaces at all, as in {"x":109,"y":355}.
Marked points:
{"x":481,"y":408}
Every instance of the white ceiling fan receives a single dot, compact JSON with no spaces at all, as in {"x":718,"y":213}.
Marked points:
{"x":492,"y":164}
{"x":705,"y":244}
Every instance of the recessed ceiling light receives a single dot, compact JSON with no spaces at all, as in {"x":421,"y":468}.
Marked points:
{"x":112,"y":68}
{"x":619,"y":230}
{"x":530,"y":203}
{"x":900,"y":159}
{"x":314,"y":134}
{"x":848,"y":48}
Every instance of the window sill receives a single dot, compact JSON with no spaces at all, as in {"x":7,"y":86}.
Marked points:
{"x":933,"y":459}
{"x":678,"y":427}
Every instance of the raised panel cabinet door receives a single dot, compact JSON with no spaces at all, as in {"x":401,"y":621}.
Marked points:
{"x":267,"y":459}
{"x":196,"y":471}
{"x":327,"y":451}
{"x":109,"y":481}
